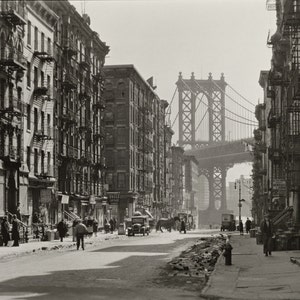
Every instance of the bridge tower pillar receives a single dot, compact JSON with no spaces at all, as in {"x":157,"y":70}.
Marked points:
{"x":187,"y":110}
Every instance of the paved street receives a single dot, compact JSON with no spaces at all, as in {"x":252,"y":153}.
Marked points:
{"x":127,"y":268}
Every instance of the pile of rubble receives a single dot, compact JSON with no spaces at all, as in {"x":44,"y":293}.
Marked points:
{"x":199,"y":260}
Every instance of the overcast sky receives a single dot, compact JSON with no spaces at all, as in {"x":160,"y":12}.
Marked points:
{"x":163,"y":37}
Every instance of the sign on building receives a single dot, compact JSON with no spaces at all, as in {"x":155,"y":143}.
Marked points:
{"x":279,"y":187}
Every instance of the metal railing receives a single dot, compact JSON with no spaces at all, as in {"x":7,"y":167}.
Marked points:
{"x":11,"y":56}
{"x":24,"y":229}
{"x":11,"y":7}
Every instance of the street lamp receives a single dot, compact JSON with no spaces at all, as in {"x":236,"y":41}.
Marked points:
{"x":240,"y":202}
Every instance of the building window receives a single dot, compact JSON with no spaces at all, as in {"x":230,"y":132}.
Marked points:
{"x":35,"y":119}
{"x":36,"y":38}
{"x":49,"y":124}
{"x":42,"y":78}
{"x":48,"y":160}
{"x":36,"y":160}
{"x":28,"y":75}
{"x":49,"y":46}
{"x":42,"y":42}
{"x":121,"y":183}
{"x":28,"y":157}
{"x":43,"y":121}
{"x":122,"y":158}
{"x":43,"y":161}
{"x":2,"y":92}
{"x":28,"y":33}
{"x":35,"y":77}
{"x":121,"y":135}
{"x":28,"y":116}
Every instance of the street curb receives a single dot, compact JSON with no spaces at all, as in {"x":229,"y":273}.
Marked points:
{"x":208,"y":283}
{"x":55,"y":247}
{"x":295,"y":260}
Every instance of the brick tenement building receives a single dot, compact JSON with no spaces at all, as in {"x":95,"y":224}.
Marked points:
{"x":78,"y":86}
{"x":12,"y":69}
{"x":51,"y":83}
{"x":277,"y":139}
{"x":134,"y":145}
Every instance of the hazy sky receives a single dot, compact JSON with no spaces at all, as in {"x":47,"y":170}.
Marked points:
{"x":163,"y":37}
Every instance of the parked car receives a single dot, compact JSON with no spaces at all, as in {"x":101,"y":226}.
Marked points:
{"x":138,"y":225}
{"x":228,"y":222}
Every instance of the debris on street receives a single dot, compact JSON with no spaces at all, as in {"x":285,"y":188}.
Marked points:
{"x":195,"y":264}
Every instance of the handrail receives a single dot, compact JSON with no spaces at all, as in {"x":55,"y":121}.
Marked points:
{"x":19,"y":221}
{"x":74,"y":215}
{"x":69,"y":216}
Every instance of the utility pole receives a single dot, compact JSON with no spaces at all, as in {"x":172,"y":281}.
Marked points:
{"x":240,"y":201}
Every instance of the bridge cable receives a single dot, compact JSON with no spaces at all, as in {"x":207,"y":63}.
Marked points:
{"x":201,"y":120}
{"x":169,"y":108}
{"x":204,"y":92}
{"x":175,"y":120}
{"x":232,"y":98}
{"x":241,"y":95}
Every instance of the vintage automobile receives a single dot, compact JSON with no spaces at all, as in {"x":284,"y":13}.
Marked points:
{"x":138,"y":225}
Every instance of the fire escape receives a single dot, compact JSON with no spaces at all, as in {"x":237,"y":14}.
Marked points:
{"x":12,"y":66}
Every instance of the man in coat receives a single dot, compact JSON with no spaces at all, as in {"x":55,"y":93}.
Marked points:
{"x":80,"y":230}
{"x":248,"y":225}
{"x":15,"y":231}
{"x":62,"y":229}
{"x":266,"y":229}
{"x":5,"y":231}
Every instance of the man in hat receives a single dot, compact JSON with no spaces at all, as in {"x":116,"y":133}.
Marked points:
{"x":266,"y":229}
{"x":80,"y":230}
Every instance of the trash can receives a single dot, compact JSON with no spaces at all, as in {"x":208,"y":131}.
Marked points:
{"x":50,"y":235}
{"x":259,"y":240}
{"x":252,"y":233}
{"x":121,"y":229}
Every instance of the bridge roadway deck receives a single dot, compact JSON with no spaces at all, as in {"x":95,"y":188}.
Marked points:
{"x":223,"y":153}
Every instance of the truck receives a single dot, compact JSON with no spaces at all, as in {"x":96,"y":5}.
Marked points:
{"x":228,"y":222}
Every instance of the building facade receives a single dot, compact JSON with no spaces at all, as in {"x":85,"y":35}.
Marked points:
{"x":129,"y":140}
{"x":279,"y":158}
{"x":39,"y":111}
{"x":78,"y":87}
{"x":191,"y":187}
{"x":178,"y":179}
{"x":12,"y":69}
{"x":168,"y":176}
{"x":51,"y":112}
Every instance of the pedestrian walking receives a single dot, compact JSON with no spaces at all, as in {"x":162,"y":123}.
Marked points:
{"x":111,"y":224}
{"x":80,"y":231}
{"x":5,"y":231}
{"x":241,"y":227}
{"x":182,"y":226}
{"x":266,"y":229}
{"x":75,"y":222}
{"x":248,"y":225}
{"x":15,"y":231}
{"x":95,"y":227}
{"x":62,"y":229}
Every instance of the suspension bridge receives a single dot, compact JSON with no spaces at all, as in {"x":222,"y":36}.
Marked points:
{"x":215,"y":125}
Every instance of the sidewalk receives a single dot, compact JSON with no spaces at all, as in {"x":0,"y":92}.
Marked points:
{"x":254,"y":276}
{"x":34,"y":246}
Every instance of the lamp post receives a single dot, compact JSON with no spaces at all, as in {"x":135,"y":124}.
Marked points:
{"x":240,"y":201}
